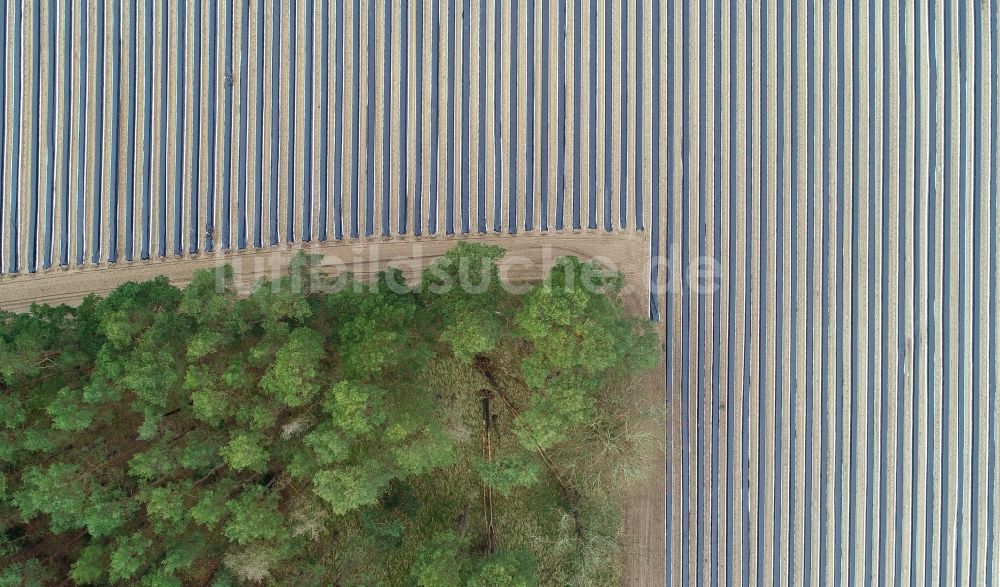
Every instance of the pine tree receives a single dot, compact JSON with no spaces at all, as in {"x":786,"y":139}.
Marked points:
{"x":164,"y":436}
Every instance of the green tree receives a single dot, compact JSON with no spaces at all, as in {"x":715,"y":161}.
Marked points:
{"x":129,"y":556}
{"x":209,"y":507}
{"x":580,"y":337}
{"x":517,"y":568}
{"x":441,"y":562}
{"x":68,"y":411}
{"x":328,"y":444}
{"x":506,"y":473}
{"x":294,"y":378}
{"x":253,"y":515}
{"x":356,"y":409}
{"x":54,"y":491}
{"x":245,"y":451}
{"x":376,"y":329}
{"x":463,"y":290}
{"x":30,"y":573}
{"x":165,"y":506}
{"x":92,"y":564}
{"x":351,"y":487}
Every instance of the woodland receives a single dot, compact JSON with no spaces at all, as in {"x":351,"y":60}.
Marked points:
{"x":449,"y":432}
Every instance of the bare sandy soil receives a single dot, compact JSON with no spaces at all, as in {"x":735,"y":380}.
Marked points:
{"x":645,"y":515}
{"x":529,"y":257}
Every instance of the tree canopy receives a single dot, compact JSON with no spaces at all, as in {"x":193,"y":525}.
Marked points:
{"x":173,"y":436}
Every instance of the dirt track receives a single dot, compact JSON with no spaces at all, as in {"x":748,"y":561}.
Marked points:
{"x":528,"y":257}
